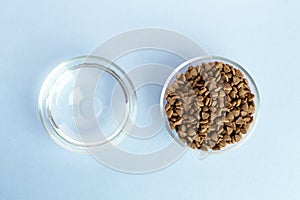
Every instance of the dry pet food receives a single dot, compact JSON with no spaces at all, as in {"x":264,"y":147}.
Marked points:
{"x":210,"y":106}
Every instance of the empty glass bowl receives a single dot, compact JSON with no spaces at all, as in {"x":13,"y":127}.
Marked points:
{"x":85,"y":104}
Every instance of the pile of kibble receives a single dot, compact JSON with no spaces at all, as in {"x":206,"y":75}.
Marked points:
{"x":210,"y":106}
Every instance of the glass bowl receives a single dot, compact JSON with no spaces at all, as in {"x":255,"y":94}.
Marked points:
{"x":79,"y":109}
{"x":198,"y":61}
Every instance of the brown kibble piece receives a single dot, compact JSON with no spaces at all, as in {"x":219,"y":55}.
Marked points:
{"x":244,"y":107}
{"x":236,"y":80}
{"x":178,"y":122}
{"x":229,"y":130}
{"x":193,"y":72}
{"x":230,"y":116}
{"x":247,"y":119}
{"x":242,"y":92}
{"x":239,"y":121}
{"x":227,"y":87}
{"x":227,"y":138}
{"x":243,"y":131}
{"x":244,"y":113}
{"x":205,"y":115}
{"x":214,"y":137}
{"x":238,"y":102}
{"x":189,"y":139}
{"x":233,"y":94}
{"x":236,"y":113}
{"x":238,"y":73}
{"x":251,"y":109}
{"x":226,"y":69}
{"x":191,"y":132}
{"x":167,"y":107}
{"x":222,"y":93}
{"x":251,"y":97}
{"x":172,"y":126}
{"x":169,"y":113}
{"x":182,"y":134}
{"x":219,"y":66}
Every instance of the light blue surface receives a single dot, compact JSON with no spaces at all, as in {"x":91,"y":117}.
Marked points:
{"x":264,"y":36}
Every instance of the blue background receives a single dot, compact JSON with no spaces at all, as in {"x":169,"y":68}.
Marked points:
{"x":262,"y":35}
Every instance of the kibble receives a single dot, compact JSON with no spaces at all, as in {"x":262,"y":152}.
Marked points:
{"x":210,"y":106}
